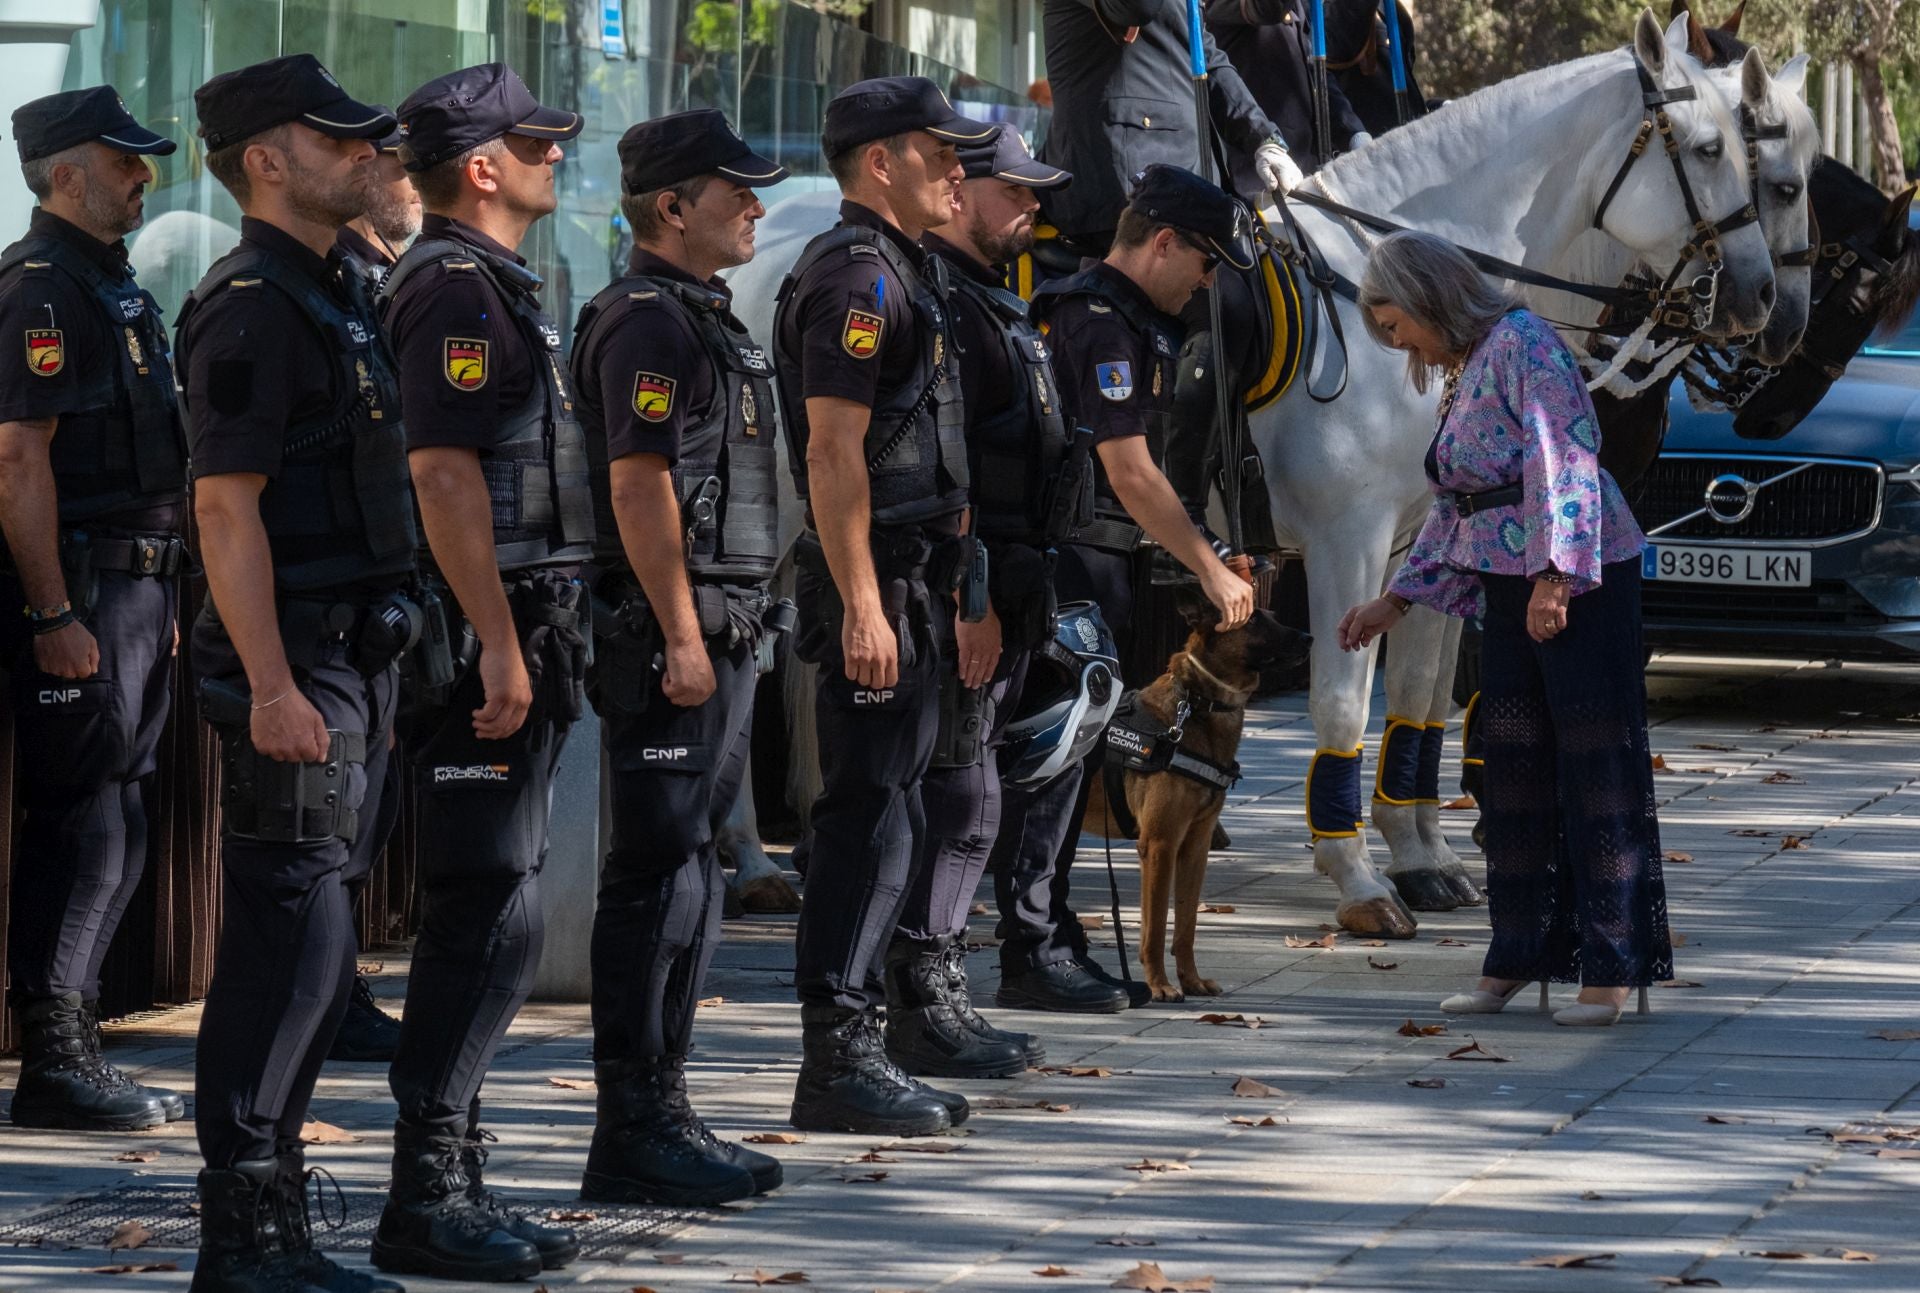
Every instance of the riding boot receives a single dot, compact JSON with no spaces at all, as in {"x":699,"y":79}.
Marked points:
{"x":367,"y":1033}
{"x":641,"y":1153}
{"x":960,"y":1000}
{"x":847,"y":1084}
{"x":924,"y":1033}
{"x":431,"y":1227}
{"x":557,"y":1245}
{"x":242,"y":1247}
{"x":952,"y":1101}
{"x":172,"y":1103}
{"x":296,"y":1227}
{"x":62,"y":1085}
{"x":764,"y":1168}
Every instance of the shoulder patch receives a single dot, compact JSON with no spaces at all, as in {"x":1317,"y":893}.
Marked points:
{"x":36,"y":264}
{"x":466,"y":362}
{"x":649,"y":295}
{"x":1099,"y":307}
{"x":1116,"y":380}
{"x":464,"y":266}
{"x":863,"y":249}
{"x":46,"y":351}
{"x":653,"y":396}
{"x":860,"y":337}
{"x":245,"y":282}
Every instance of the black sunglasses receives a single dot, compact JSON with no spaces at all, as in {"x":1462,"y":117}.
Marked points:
{"x":1209,"y":257}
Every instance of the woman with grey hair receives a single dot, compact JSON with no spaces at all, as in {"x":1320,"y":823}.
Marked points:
{"x":1529,"y":533}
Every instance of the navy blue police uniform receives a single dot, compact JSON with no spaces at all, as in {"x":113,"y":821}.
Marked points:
{"x":1271,"y":43}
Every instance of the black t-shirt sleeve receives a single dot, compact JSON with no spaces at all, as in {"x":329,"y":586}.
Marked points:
{"x":44,"y":333}
{"x":653,"y":378}
{"x":241,"y":379}
{"x":449,"y":329}
{"x":855,"y":321}
{"x":1105,"y":372}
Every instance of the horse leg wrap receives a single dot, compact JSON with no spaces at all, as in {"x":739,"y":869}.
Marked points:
{"x":1333,"y":794}
{"x":1473,"y":750}
{"x":1397,"y":779}
{"x":1426,"y":783}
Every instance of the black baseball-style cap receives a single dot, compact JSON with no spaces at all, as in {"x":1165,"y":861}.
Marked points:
{"x":238,"y":105}
{"x":391,"y":141}
{"x":43,"y":127}
{"x":461,"y":110}
{"x":893,"y":105}
{"x":1005,"y":157}
{"x":670,"y":150}
{"x":1173,"y":195}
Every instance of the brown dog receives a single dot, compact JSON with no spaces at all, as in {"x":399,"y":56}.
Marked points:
{"x":1215,"y":674}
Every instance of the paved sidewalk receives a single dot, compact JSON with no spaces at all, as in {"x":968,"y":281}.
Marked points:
{"x":1698,"y":1143}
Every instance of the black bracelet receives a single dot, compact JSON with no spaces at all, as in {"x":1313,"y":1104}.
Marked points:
{"x":54,"y":624}
{"x":1553,"y":576}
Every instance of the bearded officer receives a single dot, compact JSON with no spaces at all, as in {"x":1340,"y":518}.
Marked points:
{"x":1115,"y":331}
{"x":678,"y":404}
{"x":92,"y":481}
{"x":306,"y":530}
{"x":392,"y":218}
{"x":500,"y":470}
{"x":873,"y":414}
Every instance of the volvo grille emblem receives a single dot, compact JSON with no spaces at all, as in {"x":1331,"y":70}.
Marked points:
{"x":1730,"y":498}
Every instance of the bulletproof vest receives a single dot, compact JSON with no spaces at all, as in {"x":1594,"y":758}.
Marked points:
{"x":536,"y":463}
{"x":341,"y":508}
{"x":122,"y":451}
{"x":916,"y":442}
{"x":1159,"y":419}
{"x":724,"y":477}
{"x":1017,"y":452}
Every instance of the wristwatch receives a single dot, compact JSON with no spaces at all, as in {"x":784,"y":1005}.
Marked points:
{"x":1399,"y":603}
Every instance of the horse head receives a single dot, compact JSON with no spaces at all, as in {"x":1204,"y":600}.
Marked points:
{"x":1782,"y":143}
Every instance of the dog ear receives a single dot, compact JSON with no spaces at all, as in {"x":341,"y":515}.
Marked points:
{"x":1199,"y":614}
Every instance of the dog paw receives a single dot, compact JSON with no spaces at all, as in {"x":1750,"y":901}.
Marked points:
{"x":1201,"y":987}
{"x":1167,"y":992}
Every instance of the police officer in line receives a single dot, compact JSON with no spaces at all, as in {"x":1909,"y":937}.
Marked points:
{"x":306,"y":529}
{"x":1026,"y":478}
{"x":1115,"y":331}
{"x":500,"y":471}
{"x":1271,"y":43}
{"x":678,"y":404}
{"x":866,"y":363}
{"x":92,"y":482}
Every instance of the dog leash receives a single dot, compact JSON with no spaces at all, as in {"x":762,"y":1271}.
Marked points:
{"x":1113,"y":889}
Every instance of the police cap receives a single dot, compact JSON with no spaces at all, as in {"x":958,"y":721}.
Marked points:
{"x":894,"y":105}
{"x":43,"y":127}
{"x":238,"y":105}
{"x":391,"y":141}
{"x":671,"y":150}
{"x":1005,"y":157}
{"x":1173,"y":195}
{"x":461,"y":110}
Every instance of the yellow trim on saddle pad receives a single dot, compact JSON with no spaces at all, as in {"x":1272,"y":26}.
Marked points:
{"x":1283,"y":304}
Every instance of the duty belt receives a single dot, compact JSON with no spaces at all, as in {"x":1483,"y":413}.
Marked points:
{"x":145,"y":555}
{"x":1109,"y":534}
{"x":1488,"y":499}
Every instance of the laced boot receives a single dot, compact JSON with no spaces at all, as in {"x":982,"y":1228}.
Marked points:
{"x":875,"y":1023}
{"x":172,"y":1103}
{"x":296,"y":1226}
{"x":764,"y":1168}
{"x":556,"y":1244}
{"x":641,"y":1154}
{"x":847,"y":1083}
{"x":431,"y":1227}
{"x":62,"y":1085}
{"x":367,"y":1033}
{"x":1137,"y":993}
{"x":242,"y":1248}
{"x":924,"y":1032}
{"x":960,"y":998}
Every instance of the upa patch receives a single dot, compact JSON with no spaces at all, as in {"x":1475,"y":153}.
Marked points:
{"x":1116,"y":380}
{"x":466,"y":362}
{"x":46,"y":351}
{"x":861,"y":336}
{"x":652,"y":396}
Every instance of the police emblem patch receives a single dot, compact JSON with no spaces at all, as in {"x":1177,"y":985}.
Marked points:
{"x":466,"y":363}
{"x":46,"y":351}
{"x":1116,"y":380}
{"x":861,"y":336}
{"x":652,"y":396}
{"x":135,"y":353}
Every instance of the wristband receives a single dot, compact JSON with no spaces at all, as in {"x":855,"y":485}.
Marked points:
{"x":46,"y":613}
{"x":52,"y":621}
{"x":1399,"y":603}
{"x":1552,"y":576}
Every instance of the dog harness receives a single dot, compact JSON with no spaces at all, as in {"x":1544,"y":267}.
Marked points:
{"x":1138,"y":742}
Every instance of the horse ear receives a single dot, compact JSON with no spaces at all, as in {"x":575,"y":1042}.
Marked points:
{"x":1697,"y":43}
{"x":1732,"y":24}
{"x":1893,"y":230}
{"x":1791,"y":79}
{"x":1649,"y":46}
{"x":1676,"y":37}
{"x":1679,"y":7}
{"x":1756,"y":81}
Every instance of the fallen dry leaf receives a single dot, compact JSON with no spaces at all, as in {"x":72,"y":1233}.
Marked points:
{"x":1591,"y":1196}
{"x":1782,"y":779}
{"x":148,"y":1155}
{"x":1236,"y":1021}
{"x":1675,"y":855}
{"x":865,"y":1178}
{"x":1565,"y":1261}
{"x":1002,"y":1102}
{"x":1709,"y":745}
{"x":1268,"y":1121}
{"x":569,"y":1217}
{"x":1128,"y":1241}
{"x":1463,"y":804}
{"x":1678,"y":939}
{"x":875,"y":1156}
{"x":1679,"y":983}
{"x":1411,"y":1029}
{"x":931,"y":1146}
{"x":707,"y":1003}
{"x":572,"y":1084}
{"x":1897,"y":1153}
{"x":1475,"y":1051}
{"x":1857,"y":1137}
{"x":978,"y":909}
{"x":1428,"y":1084}
{"x":1885,"y":1035}
{"x":128,"y":1234}
{"x":1383,"y":965}
{"x":1050,"y":1271}
{"x":369,"y":968}
{"x":1660,"y":763}
{"x":1852,"y":1255}
{"x":325,"y":1133}
{"x":1793,"y":842}
{"x":670,"y":1259}
{"x":1149,"y":1276}
{"x":1325,"y":940}
{"x":1218,"y":908}
{"x":132,"y":1269}
{"x":1781,"y":1255}
{"x":1748,"y":832}
{"x":1723,"y":1119}
{"x":760,"y":1278}
{"x":1089,"y":1071}
{"x":1249,"y":1089}
{"x":775,"y":1138}
{"x":1373,"y":942}
{"x":637,"y":1288}
{"x":1148,"y":1165}
{"x":1452,"y":942}
{"x":1686,"y":1281}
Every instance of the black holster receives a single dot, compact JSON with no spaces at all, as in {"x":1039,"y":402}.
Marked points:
{"x":76,"y":568}
{"x":281,"y":803}
{"x":627,"y":648}
{"x":554,"y":615}
{"x":1023,"y":595}
{"x":966,"y":716}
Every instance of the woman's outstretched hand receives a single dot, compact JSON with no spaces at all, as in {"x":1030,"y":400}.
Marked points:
{"x":1367,"y":621}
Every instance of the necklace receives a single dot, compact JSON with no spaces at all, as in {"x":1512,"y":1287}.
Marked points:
{"x":1450,"y":387}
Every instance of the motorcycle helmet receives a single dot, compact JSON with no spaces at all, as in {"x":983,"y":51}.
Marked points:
{"x":1071,"y":691}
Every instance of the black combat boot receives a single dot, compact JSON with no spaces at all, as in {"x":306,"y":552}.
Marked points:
{"x":242,"y":1247}
{"x":925,"y":1034}
{"x":557,"y":1245}
{"x":847,"y":1083}
{"x":367,"y":1033}
{"x":641,"y":1154}
{"x":431,"y":1227}
{"x":1136,"y":992}
{"x":764,"y":1168}
{"x":960,"y":998}
{"x":62,"y":1085}
{"x":296,"y":1227}
{"x":875,"y":1022}
{"x":172,"y":1103}
{"x":1064,"y":986}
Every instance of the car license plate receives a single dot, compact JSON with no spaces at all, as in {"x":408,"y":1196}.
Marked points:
{"x":1764,"y":567}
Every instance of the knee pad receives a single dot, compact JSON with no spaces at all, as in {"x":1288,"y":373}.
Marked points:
{"x":1397,"y":779}
{"x":293,"y":803}
{"x":1333,"y":794}
{"x":1433,"y":743}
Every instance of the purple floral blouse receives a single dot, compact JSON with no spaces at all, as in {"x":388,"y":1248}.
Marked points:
{"x":1522,"y":416}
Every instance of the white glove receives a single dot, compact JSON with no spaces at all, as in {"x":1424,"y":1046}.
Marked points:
{"x":1360,"y":140}
{"x":1276,"y":168}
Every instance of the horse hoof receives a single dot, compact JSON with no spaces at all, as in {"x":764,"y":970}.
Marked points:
{"x":1221,"y":840}
{"x":1464,"y":889}
{"x":1377,"y":918}
{"x":769,"y":895}
{"x":1426,"y":891}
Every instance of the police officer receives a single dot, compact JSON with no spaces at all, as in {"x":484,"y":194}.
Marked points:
{"x":92,"y":479}
{"x":1271,"y":43}
{"x":392,"y":218}
{"x":500,"y":470}
{"x":871,"y":399}
{"x":678,"y":404}
{"x":306,"y":530}
{"x":1115,"y":331}
{"x":1026,"y":479}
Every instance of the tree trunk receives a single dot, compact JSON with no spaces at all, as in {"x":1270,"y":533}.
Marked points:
{"x":1889,"y":163}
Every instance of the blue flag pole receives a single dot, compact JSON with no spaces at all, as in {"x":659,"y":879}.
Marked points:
{"x":1397,"y":59}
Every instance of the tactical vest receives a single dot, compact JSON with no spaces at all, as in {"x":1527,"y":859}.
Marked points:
{"x":916,"y":445}
{"x":341,"y":508}
{"x":123,"y":450}
{"x":536,"y":463}
{"x":724,"y":477}
{"x":1016,"y":454}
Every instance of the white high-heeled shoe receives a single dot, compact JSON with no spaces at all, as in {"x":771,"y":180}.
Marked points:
{"x":1482,"y":1002}
{"x":1593,"y":1015}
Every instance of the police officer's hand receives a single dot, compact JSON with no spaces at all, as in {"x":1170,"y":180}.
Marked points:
{"x":68,"y":652}
{"x":979,"y":649}
{"x":503,"y":676}
{"x":871,"y":649}
{"x":689,"y":678}
{"x":1276,"y":168}
{"x":289,"y":729}
{"x":1231,"y":595}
